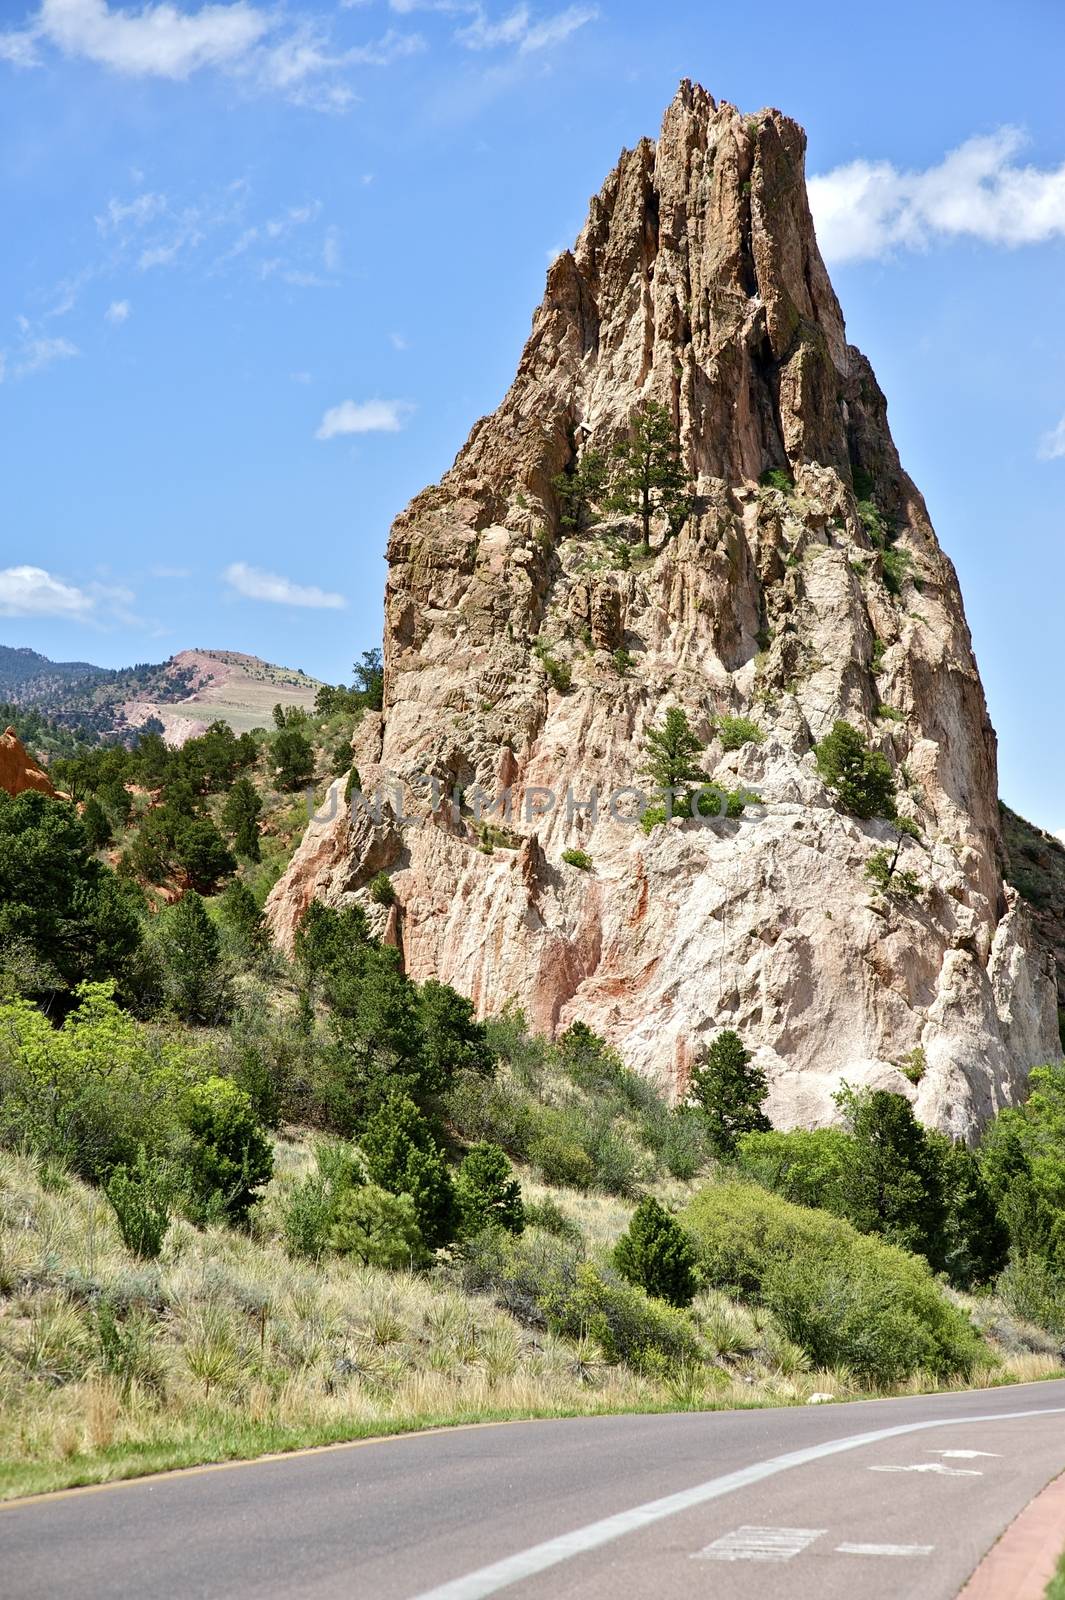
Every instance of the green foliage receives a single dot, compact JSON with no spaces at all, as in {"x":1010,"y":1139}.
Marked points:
{"x":453,"y":1041}
{"x":560,"y":1160}
{"x":728,"y":1087}
{"x":1031,"y":1288}
{"x":293,"y":759}
{"x":93,"y":1092}
{"x":577,"y":858}
{"x":809,"y":1167}
{"x":656,"y":1253}
{"x":140,"y":1199}
{"x":402,"y":1156}
{"x":381,"y":890}
{"x":734,"y":732}
{"x":777,"y":478}
{"x":559,"y":673}
{"x":377,"y":1228}
{"x":882,"y":869}
{"x":187,"y":951}
{"x":1022,"y":1158}
{"x":201,"y":853}
{"x":708,"y":800}
{"x":239,"y":912}
{"x":623,"y":661}
{"x":670,"y":752}
{"x":896,"y":565}
{"x":861,"y":778}
{"x":894,"y":1185}
{"x":489,"y":1196}
{"x":649,"y":479}
{"x":845,"y":1299}
{"x":240,"y":818}
{"x":580,"y":490}
{"x":94,"y":821}
{"x":365,"y":694}
{"x":225,"y":1155}
{"x":64,"y":916}
{"x":549,"y":1215}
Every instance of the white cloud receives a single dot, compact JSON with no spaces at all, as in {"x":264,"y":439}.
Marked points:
{"x":331,"y":250}
{"x":255,"y":584}
{"x":398,"y":341}
{"x":1052,"y":444}
{"x":867,"y":209}
{"x":33,"y":592}
{"x":159,"y":40}
{"x":35,"y":353}
{"x":121,"y":215}
{"x":257,"y":44}
{"x":365,"y":416}
{"x":118,"y":312}
{"x":519,"y":28}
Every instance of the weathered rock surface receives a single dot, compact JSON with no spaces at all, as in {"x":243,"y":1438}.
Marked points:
{"x":18,"y":770}
{"x":696,"y":282}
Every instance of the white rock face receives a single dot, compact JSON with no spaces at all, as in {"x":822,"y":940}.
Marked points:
{"x":696,"y":282}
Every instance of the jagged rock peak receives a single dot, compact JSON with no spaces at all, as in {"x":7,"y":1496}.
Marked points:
{"x":520,"y":653}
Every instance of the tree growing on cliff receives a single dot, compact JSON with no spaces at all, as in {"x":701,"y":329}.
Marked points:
{"x":729,"y":1089}
{"x":670,"y":752}
{"x":649,"y":478}
{"x":860,"y":778}
{"x":580,"y":490}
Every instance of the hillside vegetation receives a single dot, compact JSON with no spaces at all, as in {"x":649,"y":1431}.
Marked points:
{"x":248,"y":1203}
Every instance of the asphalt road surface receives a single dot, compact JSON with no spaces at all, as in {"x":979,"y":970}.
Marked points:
{"x":838,"y":1502}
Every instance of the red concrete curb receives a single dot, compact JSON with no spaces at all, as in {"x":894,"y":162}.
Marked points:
{"x":1023,"y":1561}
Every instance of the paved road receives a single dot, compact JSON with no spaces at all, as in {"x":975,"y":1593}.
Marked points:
{"x":874,"y":1499}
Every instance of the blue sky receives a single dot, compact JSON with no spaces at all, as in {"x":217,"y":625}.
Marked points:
{"x":265,"y":264}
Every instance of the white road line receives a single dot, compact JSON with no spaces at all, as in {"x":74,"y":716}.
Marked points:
{"x":933,"y":1466}
{"x":759,"y":1544}
{"x":884,"y":1549}
{"x":966,"y":1455}
{"x":541,"y":1557}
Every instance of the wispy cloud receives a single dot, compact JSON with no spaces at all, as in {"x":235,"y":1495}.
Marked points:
{"x":364,"y":416}
{"x":1052,"y":444}
{"x":521,"y":28}
{"x":33,"y":352}
{"x":866,"y":209}
{"x":258,"y":45}
{"x":255,"y":584}
{"x":118,"y":312}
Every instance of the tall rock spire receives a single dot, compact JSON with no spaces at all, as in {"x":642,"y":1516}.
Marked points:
{"x":696,"y":282}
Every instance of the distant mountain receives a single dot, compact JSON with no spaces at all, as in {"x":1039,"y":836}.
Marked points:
{"x":177,"y":697}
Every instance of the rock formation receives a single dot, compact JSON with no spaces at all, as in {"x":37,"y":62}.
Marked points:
{"x":696,"y":282}
{"x":18,"y":770}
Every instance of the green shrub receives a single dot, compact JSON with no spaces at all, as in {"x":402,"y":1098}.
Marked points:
{"x":896,"y":566}
{"x":577,"y":858}
{"x":627,"y":1324}
{"x":734,"y":732}
{"x":559,"y":673}
{"x":1031,"y":1288}
{"x":489,"y":1195}
{"x":486,"y":1110}
{"x":861,"y":778}
{"x":402,"y":1156}
{"x":779,"y":479}
{"x":549,"y":1215}
{"x":809,"y":1167}
{"x":657,"y":1254}
{"x":562,"y":1161}
{"x":226,"y":1156}
{"x":729,"y":1087}
{"x":882,"y":871}
{"x":623,"y":660}
{"x":710,"y":801}
{"x":140,"y":1199}
{"x":845,"y":1299}
{"x":683,"y":1145}
{"x":377,"y":1228}
{"x":381,"y":891}
{"x":184,"y":942}
{"x":307,"y":1218}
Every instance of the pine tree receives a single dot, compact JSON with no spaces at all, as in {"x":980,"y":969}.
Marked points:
{"x":649,"y":478}
{"x":94,"y":821}
{"x":489,"y":1195}
{"x":240,"y":818}
{"x":861,"y":778}
{"x":670,"y":752}
{"x":729,"y":1088}
{"x":657,"y":1254}
{"x":893,"y":1186}
{"x":293,"y":759}
{"x":188,"y":950}
{"x":579,"y":490}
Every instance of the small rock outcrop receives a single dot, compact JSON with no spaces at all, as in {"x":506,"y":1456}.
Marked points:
{"x":807,"y":585}
{"x":18,"y":770}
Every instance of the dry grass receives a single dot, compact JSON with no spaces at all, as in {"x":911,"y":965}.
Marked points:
{"x":226,"y":1347}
